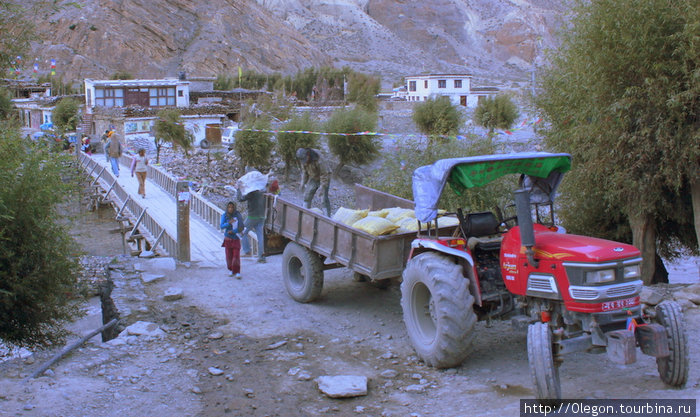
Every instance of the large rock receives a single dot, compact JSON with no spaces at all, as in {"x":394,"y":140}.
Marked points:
{"x":650,"y":296}
{"x":144,"y":328}
{"x":173,"y":294}
{"x":343,"y":386}
{"x":686,"y":295}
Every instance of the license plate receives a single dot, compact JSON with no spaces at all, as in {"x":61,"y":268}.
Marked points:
{"x":619,"y":304}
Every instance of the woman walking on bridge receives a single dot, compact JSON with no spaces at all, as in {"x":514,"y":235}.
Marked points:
{"x":139,"y":166}
{"x":232,"y":224}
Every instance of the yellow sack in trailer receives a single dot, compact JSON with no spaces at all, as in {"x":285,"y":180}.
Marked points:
{"x":376,"y":226}
{"x":447,"y":221}
{"x":397,"y":213}
{"x":348,"y":216}
{"x":407,"y":225}
{"x":379,"y":213}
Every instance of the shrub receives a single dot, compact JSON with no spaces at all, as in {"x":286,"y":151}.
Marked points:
{"x":437,"y":118}
{"x":496,"y":113}
{"x":254,"y":148}
{"x":5,"y":104}
{"x":363,"y":90}
{"x":358,"y":149}
{"x":288,"y":143}
{"x":169,"y":128}
{"x":38,"y":271}
{"x":65,"y":115}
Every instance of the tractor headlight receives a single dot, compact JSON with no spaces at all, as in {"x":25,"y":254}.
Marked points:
{"x":631,"y":271}
{"x":598,"y":277}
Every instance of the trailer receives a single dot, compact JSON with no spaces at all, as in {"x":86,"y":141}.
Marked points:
{"x":312,"y":243}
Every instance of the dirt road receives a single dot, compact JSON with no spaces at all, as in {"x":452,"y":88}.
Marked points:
{"x":244,"y":348}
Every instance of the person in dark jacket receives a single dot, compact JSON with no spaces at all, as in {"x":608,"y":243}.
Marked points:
{"x":232,"y":224}
{"x":315,"y":173}
{"x":254,"y":221}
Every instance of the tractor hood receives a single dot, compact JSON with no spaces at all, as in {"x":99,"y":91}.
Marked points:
{"x":575,"y":248}
{"x":541,"y":168}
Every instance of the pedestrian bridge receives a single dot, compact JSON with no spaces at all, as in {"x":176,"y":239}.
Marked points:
{"x":156,"y":215}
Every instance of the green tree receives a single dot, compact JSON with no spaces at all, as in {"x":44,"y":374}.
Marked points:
{"x":122,"y":75}
{"x":66,"y":115}
{"x":169,"y":128}
{"x":254,"y":148}
{"x":363,"y":90}
{"x":621,"y":95}
{"x":16,"y":32}
{"x":437,"y":118}
{"x":496,"y":113}
{"x":5,"y":104}
{"x":38,"y":271}
{"x":288,"y":143}
{"x":357,"y":149}
{"x":224,"y":83}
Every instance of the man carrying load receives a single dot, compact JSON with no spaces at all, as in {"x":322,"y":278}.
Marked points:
{"x":314,"y":174}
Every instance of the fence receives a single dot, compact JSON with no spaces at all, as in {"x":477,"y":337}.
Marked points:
{"x":198,"y":204}
{"x":132,"y":208}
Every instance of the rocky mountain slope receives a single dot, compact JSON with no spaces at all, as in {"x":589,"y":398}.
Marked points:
{"x":493,"y":39}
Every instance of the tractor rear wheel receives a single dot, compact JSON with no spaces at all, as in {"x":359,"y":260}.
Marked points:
{"x":303,"y":273}
{"x":543,"y":370}
{"x":673,"y":369}
{"x":437,"y":309}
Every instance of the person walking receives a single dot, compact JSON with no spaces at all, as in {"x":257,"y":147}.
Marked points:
{"x":115,"y":152}
{"x":139,"y":165}
{"x":315,"y":174}
{"x":232,"y":224}
{"x":255,"y":220}
{"x":105,"y":144}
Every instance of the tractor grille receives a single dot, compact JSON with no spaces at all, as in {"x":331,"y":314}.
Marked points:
{"x":621,"y":291}
{"x":541,"y":283}
{"x":584,"y":294}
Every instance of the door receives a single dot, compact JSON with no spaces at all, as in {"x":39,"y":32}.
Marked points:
{"x":134,"y":96}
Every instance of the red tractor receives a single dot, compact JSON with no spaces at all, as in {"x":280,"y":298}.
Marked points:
{"x":575,"y":293}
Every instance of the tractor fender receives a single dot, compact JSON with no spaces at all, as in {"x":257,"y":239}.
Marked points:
{"x":433,"y":245}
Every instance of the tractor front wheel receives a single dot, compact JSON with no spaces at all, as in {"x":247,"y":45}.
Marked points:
{"x":303,"y":273}
{"x":673,"y":369}
{"x":438,"y":309}
{"x":543,"y":370}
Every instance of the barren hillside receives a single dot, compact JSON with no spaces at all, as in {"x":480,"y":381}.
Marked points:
{"x":492,"y":39}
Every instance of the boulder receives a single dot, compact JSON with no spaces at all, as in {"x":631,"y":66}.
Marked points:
{"x":342,"y":386}
{"x":149,"y":278}
{"x":144,"y":328}
{"x":650,"y":296}
{"x":172,"y":294}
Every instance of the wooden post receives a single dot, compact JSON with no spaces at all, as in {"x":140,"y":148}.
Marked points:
{"x":183,"y":220}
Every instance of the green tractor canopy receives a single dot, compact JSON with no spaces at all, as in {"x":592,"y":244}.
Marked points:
{"x":541,"y":168}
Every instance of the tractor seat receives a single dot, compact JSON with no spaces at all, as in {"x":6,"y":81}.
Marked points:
{"x":482,"y":229}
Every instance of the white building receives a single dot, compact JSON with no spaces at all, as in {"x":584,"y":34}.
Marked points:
{"x":457,"y":87}
{"x":168,"y":92}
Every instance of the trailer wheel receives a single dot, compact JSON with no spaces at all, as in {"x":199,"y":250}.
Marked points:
{"x":204,"y":144}
{"x":673,"y":369}
{"x":543,"y":370}
{"x":437,"y":310}
{"x":303,"y":273}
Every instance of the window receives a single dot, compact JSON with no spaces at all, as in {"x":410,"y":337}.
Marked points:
{"x":411,"y":86}
{"x":425,"y":84}
{"x":442,"y":83}
{"x":109,"y":97}
{"x":180,"y":93}
{"x":160,"y":97}
{"x":458,"y":83}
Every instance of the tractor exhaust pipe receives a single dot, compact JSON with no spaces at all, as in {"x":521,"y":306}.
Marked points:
{"x":527,"y":230}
